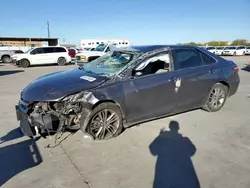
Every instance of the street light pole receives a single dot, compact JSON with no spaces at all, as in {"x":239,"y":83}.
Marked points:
{"x":48,"y":29}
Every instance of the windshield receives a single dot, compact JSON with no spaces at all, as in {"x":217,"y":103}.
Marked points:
{"x":100,"y":47}
{"x":210,"y":48}
{"x":230,"y":48}
{"x":220,"y":48}
{"x":110,"y":63}
{"x":28,"y":51}
{"x":248,"y":47}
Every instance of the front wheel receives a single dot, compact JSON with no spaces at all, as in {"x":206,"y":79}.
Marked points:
{"x":216,"y":98}
{"x":24,"y":63}
{"x":105,"y":122}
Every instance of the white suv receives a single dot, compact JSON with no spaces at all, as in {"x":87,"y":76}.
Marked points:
{"x":42,"y":55}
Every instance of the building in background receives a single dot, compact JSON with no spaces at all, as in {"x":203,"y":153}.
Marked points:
{"x":24,"y":43}
{"x":28,"y":41}
{"x":18,"y":43}
{"x":92,"y":43}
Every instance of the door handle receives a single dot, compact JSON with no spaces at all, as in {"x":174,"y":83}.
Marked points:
{"x":172,"y":79}
{"x":211,"y":71}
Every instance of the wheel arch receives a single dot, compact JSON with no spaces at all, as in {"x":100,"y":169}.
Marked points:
{"x":108,"y":101}
{"x":85,"y":118}
{"x":227,"y":85}
{"x":5,"y":55}
{"x":25,"y":59}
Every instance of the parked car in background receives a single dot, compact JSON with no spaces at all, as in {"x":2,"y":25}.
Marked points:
{"x":125,"y":87}
{"x":234,"y":50}
{"x":72,"y":52}
{"x":88,"y":56}
{"x":211,"y":49}
{"x":42,"y":55}
{"x":219,"y":50}
{"x":5,"y":55}
{"x":247,"y":50}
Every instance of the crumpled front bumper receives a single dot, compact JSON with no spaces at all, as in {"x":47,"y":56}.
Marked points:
{"x":14,"y":61}
{"x":25,"y":125}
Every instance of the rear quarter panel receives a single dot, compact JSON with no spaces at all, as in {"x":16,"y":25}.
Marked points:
{"x":229,"y":76}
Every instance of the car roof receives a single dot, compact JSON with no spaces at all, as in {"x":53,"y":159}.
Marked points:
{"x":148,"y":48}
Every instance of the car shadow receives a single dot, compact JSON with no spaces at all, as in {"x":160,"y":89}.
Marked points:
{"x":4,"y":73}
{"x":17,"y":157}
{"x":174,"y":167}
{"x":246,"y":68}
{"x":51,"y":65}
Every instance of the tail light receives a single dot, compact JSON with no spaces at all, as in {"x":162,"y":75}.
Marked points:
{"x":236,"y":69}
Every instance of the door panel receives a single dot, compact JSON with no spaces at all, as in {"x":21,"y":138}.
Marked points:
{"x":195,"y":85}
{"x":197,"y":73}
{"x":38,"y":56}
{"x":149,"y":96}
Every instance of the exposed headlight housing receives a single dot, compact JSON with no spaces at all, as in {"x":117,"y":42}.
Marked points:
{"x":81,"y":97}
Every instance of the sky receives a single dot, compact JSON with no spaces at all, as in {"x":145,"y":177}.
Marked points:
{"x":140,"y":21}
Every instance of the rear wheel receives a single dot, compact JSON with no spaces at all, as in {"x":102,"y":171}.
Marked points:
{"x":216,"y":98}
{"x":105,"y":122}
{"x":61,"y":61}
{"x":6,"y":59}
{"x":24,"y":63}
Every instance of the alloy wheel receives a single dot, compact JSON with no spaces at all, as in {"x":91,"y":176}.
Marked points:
{"x":104,"y":124}
{"x":217,"y":97}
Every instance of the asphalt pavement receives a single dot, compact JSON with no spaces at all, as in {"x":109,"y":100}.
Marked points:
{"x":194,"y":149}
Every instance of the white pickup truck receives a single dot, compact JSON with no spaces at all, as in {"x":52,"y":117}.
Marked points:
{"x":100,"y":50}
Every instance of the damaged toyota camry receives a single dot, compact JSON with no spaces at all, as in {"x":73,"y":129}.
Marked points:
{"x":125,"y":87}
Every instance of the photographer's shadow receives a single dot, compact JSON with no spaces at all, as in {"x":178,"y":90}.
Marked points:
{"x":174,"y":167}
{"x":17,"y":157}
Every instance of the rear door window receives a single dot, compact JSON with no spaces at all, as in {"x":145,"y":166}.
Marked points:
{"x":206,"y":60}
{"x":58,"y":49}
{"x":186,"y":58}
{"x":49,"y":50}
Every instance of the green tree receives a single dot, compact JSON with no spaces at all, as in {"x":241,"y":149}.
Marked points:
{"x":193,"y":44}
{"x":239,"y":42}
{"x":217,"y":43}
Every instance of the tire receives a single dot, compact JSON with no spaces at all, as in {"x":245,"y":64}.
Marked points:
{"x":214,"y":98}
{"x":6,"y":59}
{"x":243,"y":53}
{"x":61,"y":61}
{"x":24,"y":63}
{"x":100,"y":130}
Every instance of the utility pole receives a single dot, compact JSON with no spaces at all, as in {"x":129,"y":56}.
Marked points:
{"x":48,"y":29}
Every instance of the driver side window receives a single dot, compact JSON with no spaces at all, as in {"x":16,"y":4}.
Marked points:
{"x":154,"y":65}
{"x":108,"y":49}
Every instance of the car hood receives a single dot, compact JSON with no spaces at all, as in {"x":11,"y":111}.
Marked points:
{"x":53,"y":87}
